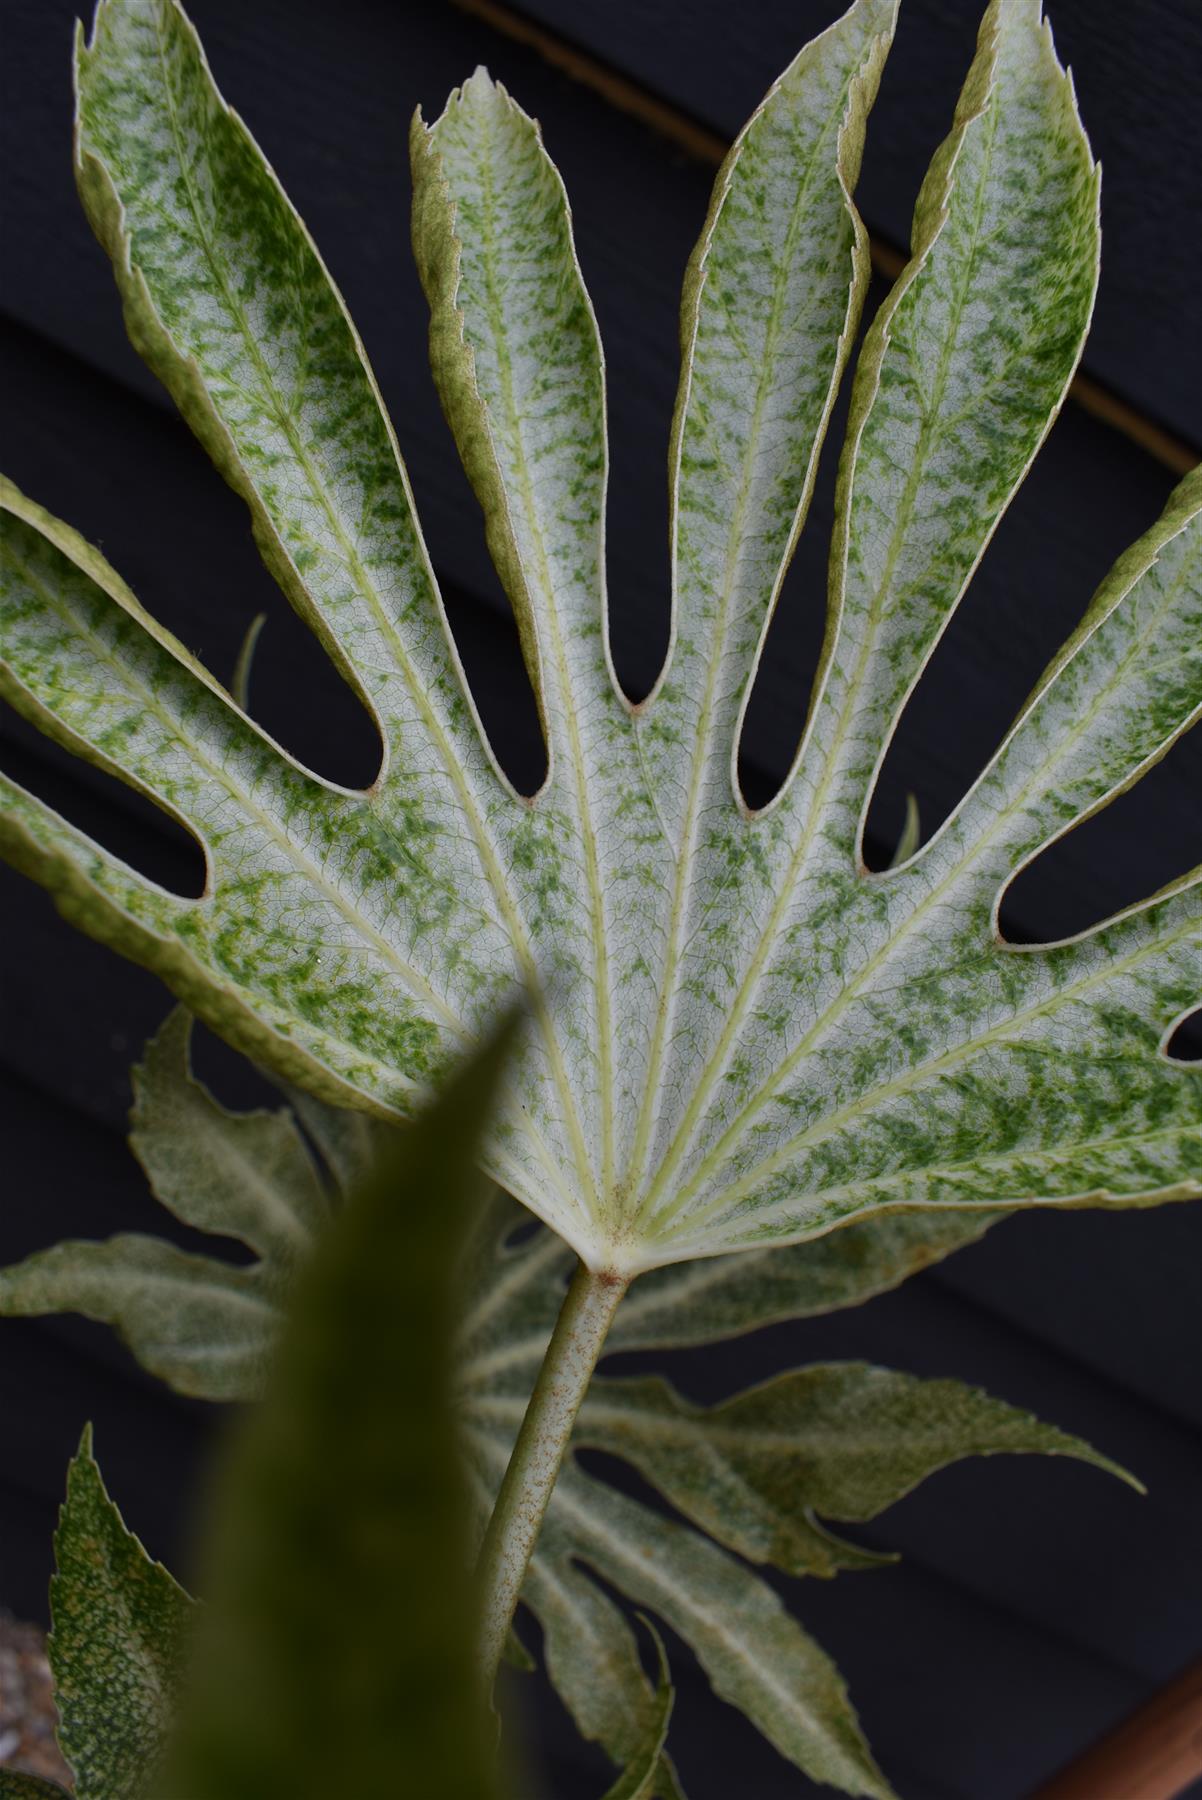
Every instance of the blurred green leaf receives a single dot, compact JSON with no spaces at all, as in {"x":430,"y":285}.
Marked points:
{"x":337,"y":1658}
{"x":119,"y":1642}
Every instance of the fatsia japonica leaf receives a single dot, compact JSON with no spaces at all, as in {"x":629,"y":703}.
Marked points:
{"x":119,"y":1645}
{"x":850,"y":1438}
{"x":739,"y":1037}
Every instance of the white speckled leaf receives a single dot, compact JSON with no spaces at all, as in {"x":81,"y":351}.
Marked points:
{"x":208,"y":1326}
{"x":119,"y":1644}
{"x":739,"y":1037}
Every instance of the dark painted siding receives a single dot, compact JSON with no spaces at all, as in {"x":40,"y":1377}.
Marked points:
{"x":1036,"y":1602}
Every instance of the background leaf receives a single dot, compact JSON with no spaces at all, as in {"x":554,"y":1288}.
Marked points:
{"x":839,"y":1440}
{"x":206,"y":1326}
{"x":723,"y":1296}
{"x":119,"y":1643}
{"x":758,"y":1472}
{"x":644,"y":1775}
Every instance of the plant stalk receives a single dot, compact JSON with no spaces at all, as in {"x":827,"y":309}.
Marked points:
{"x":572,"y":1354}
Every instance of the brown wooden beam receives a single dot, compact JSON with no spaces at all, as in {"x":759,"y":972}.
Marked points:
{"x":1156,"y":1754}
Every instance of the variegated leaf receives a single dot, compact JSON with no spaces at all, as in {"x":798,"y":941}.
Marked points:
{"x":207,"y":1326}
{"x":739,"y":1037}
{"x":119,"y":1644}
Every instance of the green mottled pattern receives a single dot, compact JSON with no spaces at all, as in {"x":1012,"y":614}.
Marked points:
{"x":118,"y":1647}
{"x":15,"y":1786}
{"x":772,"y":299}
{"x":738,"y":1037}
{"x":517,"y":360}
{"x":207,"y":1326}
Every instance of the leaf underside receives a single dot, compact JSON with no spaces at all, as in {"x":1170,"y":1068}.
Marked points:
{"x":738,"y":1036}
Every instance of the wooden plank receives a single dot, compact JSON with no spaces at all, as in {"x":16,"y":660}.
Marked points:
{"x":1154,"y":1755}
{"x":1136,"y":71}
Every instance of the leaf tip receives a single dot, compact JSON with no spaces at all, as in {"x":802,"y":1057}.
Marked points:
{"x":480,"y":86}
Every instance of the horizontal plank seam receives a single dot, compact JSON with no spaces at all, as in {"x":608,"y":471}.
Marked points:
{"x":944,"y":1279}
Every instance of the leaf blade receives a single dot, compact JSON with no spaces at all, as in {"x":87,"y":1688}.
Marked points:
{"x":755,"y":1655}
{"x":205,"y":1327}
{"x":118,"y":1642}
{"x":640,"y":1780}
{"x":839,"y":1441}
{"x":740,"y":1037}
{"x":246,"y":1175}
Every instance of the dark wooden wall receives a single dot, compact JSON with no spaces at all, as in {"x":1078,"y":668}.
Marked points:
{"x":1036,"y":1602}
